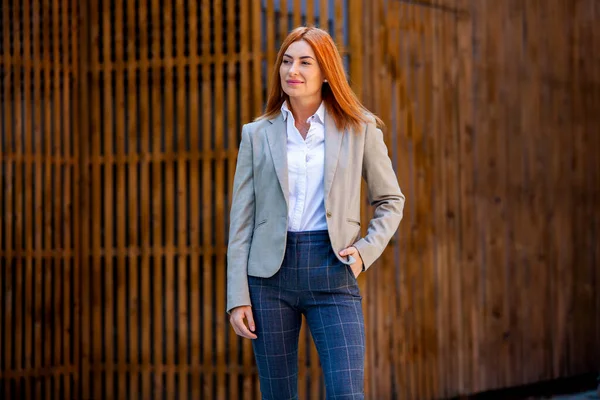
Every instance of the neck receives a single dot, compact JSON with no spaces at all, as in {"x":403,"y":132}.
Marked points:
{"x":303,"y":108}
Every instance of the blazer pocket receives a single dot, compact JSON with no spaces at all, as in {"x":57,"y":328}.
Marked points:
{"x":264,"y":221}
{"x":353,"y":221}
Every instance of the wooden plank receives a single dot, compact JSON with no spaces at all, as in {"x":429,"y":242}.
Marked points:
{"x":56,"y":196}
{"x":157,"y":204}
{"x":518,"y":124}
{"x":246,"y":111}
{"x":47,"y":263}
{"x":356,"y":43}
{"x":121,"y":283}
{"x":146,"y":216}
{"x":270,"y":50}
{"x":18,"y":333}
{"x":108,"y":116}
{"x":96,"y":306}
{"x":134,"y":193}
{"x":494,"y":185}
{"x":324,"y":15}
{"x":310,"y":12}
{"x":168,"y":190}
{"x":296,"y":14}
{"x":11,"y":170}
{"x":207,"y":278}
{"x":439,"y":194}
{"x":257,"y":57}
{"x":38,"y":132}
{"x":182,"y":195}
{"x":74,"y":237}
{"x":464,"y":290}
{"x":283,"y":20}
{"x":232,"y":128}
{"x":220,"y":269}
{"x":454,"y":200}
{"x":338,"y":33}
{"x":194,"y":278}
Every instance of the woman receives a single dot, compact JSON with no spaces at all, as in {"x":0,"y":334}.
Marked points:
{"x":294,"y":238}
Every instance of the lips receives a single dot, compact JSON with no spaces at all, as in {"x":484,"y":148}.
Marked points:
{"x":293,"y":82}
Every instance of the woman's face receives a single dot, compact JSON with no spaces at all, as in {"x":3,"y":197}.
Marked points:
{"x":301,"y":76}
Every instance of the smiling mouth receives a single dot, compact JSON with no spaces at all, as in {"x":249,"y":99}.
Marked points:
{"x":294,"y":82}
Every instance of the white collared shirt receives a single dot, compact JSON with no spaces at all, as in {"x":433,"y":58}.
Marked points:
{"x":306,"y":170}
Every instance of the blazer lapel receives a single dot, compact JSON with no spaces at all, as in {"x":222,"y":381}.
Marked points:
{"x":333,"y":144}
{"x":276,"y":136}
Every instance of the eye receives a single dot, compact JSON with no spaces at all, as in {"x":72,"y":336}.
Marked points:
{"x":305,"y":63}
{"x":285,"y":62}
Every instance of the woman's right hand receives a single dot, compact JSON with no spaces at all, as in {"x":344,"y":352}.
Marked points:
{"x":237,"y":321}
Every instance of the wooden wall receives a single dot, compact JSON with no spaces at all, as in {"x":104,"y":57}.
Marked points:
{"x":39,"y":191}
{"x":493,"y":113}
{"x":120,"y":126}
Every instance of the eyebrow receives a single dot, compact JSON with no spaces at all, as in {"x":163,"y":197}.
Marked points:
{"x":287,"y":55}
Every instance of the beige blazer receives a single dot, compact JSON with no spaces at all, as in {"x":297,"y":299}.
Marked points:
{"x":259,"y":210}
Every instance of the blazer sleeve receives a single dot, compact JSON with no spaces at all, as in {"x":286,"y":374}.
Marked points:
{"x":384,"y":194}
{"x":241,"y":226}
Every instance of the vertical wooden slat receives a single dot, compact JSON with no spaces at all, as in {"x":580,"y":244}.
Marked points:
{"x":218,"y":201}
{"x":324,"y":15}
{"x":37,"y":213}
{"x":310,"y":12}
{"x":245,"y":115}
{"x":108,"y":114}
{"x":96,"y":221}
{"x":47,"y":261}
{"x":182,"y":194}
{"x":120,"y":248}
{"x":356,"y":43}
{"x":157,"y":204}
{"x":515,"y":173}
{"x":5,"y":165}
{"x":283,"y":20}
{"x":257,"y":58}
{"x":231,"y":131}
{"x":207,"y":278}
{"x":338,"y":33}
{"x":56,"y":194}
{"x":10,"y":183}
{"x":134,"y":191}
{"x":73,"y":35}
{"x":17,"y":121}
{"x":465,"y":286}
{"x":147,"y":221}
{"x":438,"y":202}
{"x":270,"y":50}
{"x":169,"y":205}
{"x":296,"y":14}
{"x":194,"y":278}
{"x":82,"y":240}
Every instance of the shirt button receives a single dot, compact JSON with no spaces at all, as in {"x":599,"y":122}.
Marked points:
{"x":328,"y":214}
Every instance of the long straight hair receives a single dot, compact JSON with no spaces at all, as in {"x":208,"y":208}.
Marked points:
{"x":340,"y":101}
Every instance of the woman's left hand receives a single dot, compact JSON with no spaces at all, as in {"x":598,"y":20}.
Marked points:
{"x":357,"y":267}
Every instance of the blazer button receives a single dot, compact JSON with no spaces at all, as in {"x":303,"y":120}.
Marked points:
{"x":328,"y":214}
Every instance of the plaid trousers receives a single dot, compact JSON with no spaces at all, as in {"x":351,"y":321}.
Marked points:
{"x":313,"y":282}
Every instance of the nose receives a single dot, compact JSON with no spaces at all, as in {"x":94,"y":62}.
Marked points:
{"x":293,"y":69}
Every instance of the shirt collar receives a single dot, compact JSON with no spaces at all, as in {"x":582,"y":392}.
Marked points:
{"x":319,"y":115}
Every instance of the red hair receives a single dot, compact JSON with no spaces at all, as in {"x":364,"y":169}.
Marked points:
{"x":340,"y":101}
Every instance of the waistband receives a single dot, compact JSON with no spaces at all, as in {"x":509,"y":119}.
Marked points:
{"x":308,"y":236}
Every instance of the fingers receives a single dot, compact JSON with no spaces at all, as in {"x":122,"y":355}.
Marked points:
{"x":237,"y":322}
{"x":250,"y":319}
{"x":348,"y":251}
